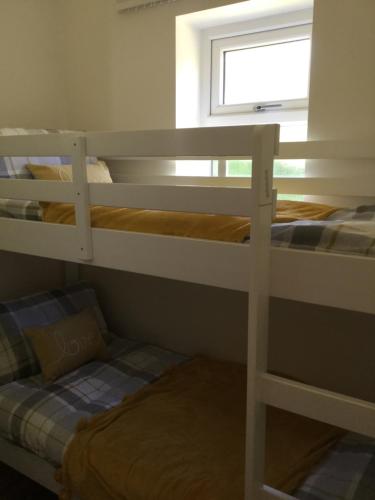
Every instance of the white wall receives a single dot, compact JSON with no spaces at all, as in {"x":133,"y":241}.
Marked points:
{"x":115,"y":58}
{"x":32,"y":83}
{"x":342,"y":83}
{"x":342,"y":96}
{"x":25,"y":274}
{"x":32,"y":95}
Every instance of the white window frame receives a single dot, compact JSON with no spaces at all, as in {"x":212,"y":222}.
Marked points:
{"x":283,"y":27}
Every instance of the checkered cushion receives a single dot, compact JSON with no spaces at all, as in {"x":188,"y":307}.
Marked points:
{"x":17,"y":359}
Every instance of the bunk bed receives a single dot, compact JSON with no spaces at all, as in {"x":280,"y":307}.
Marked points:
{"x":336,"y":280}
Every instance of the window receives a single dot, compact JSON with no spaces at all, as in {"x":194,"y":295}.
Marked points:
{"x":261,"y":72}
{"x":257,"y":71}
{"x":253,"y":71}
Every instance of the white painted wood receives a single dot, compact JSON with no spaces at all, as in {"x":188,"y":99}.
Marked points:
{"x":343,"y":281}
{"x":266,"y":141}
{"x":327,"y":150}
{"x":36,"y":145}
{"x":21,"y":189}
{"x":219,"y":200}
{"x":321,"y":186}
{"x":185,"y":259}
{"x":192,"y":142}
{"x":356,"y":186}
{"x":82,"y":206}
{"x":55,"y":241}
{"x":268,"y":493}
{"x":343,"y":411}
{"x":29,"y":464}
{"x":180,"y":180}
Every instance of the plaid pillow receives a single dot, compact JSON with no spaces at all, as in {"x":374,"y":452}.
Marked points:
{"x":17,"y":359}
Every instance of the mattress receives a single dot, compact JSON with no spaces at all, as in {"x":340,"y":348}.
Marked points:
{"x":298,"y":225}
{"x":43,"y":418}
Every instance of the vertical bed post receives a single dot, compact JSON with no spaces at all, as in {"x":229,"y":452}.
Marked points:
{"x":82,"y":206}
{"x":265,"y":147}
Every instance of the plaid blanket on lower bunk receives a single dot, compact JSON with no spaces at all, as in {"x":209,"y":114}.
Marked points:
{"x":347,"y":473}
{"x":345,"y":232}
{"x":43,"y":418}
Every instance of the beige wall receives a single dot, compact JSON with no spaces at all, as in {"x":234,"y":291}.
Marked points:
{"x":319,"y":345}
{"x":342,"y":83}
{"x":32,"y":83}
{"x":121,"y":67}
{"x":25,"y":274}
{"x":32,"y":94}
{"x":342,"y":97}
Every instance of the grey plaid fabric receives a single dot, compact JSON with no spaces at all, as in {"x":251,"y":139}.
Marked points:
{"x":17,"y":359}
{"x":15,"y":167}
{"x":347,"y":472}
{"x":345,"y":232}
{"x":43,"y":418}
{"x":20,"y":209}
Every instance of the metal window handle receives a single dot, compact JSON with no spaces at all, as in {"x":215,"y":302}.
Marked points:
{"x":264,"y":107}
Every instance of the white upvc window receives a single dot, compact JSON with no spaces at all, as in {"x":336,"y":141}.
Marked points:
{"x":257,"y":71}
{"x":261,"y":72}
{"x":254,"y":72}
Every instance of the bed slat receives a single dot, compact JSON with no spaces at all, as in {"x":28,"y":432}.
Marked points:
{"x":333,"y":408}
{"x":192,"y":142}
{"x":21,"y":189}
{"x":236,"y":201}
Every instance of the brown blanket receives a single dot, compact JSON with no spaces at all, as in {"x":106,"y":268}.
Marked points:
{"x":182,"y":438}
{"x":205,"y":226}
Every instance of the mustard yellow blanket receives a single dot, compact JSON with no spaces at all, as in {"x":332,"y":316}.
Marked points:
{"x":183,"y":438}
{"x":205,"y":226}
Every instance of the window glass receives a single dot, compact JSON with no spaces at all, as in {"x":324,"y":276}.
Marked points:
{"x":275,"y":72}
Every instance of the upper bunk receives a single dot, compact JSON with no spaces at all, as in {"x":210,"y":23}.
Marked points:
{"x":330,"y":279}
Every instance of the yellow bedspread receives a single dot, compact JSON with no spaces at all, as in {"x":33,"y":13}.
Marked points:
{"x":182,"y":438}
{"x":205,"y":226}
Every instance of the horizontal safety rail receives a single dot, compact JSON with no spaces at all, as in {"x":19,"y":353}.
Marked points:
{"x":193,"y":142}
{"x":236,"y":201}
{"x":320,"y":186}
{"x":220,"y":200}
{"x":333,"y":408}
{"x":327,"y":150}
{"x":21,"y":189}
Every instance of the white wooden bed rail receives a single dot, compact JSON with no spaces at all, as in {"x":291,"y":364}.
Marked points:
{"x":360,"y":185}
{"x":213,"y":263}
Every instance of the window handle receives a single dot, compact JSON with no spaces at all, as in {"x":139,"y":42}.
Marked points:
{"x":264,"y":107}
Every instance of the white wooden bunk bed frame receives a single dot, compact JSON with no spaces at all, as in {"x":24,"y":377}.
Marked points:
{"x":326,"y":279}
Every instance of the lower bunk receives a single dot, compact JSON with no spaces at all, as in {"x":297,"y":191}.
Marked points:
{"x":179,"y":433}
